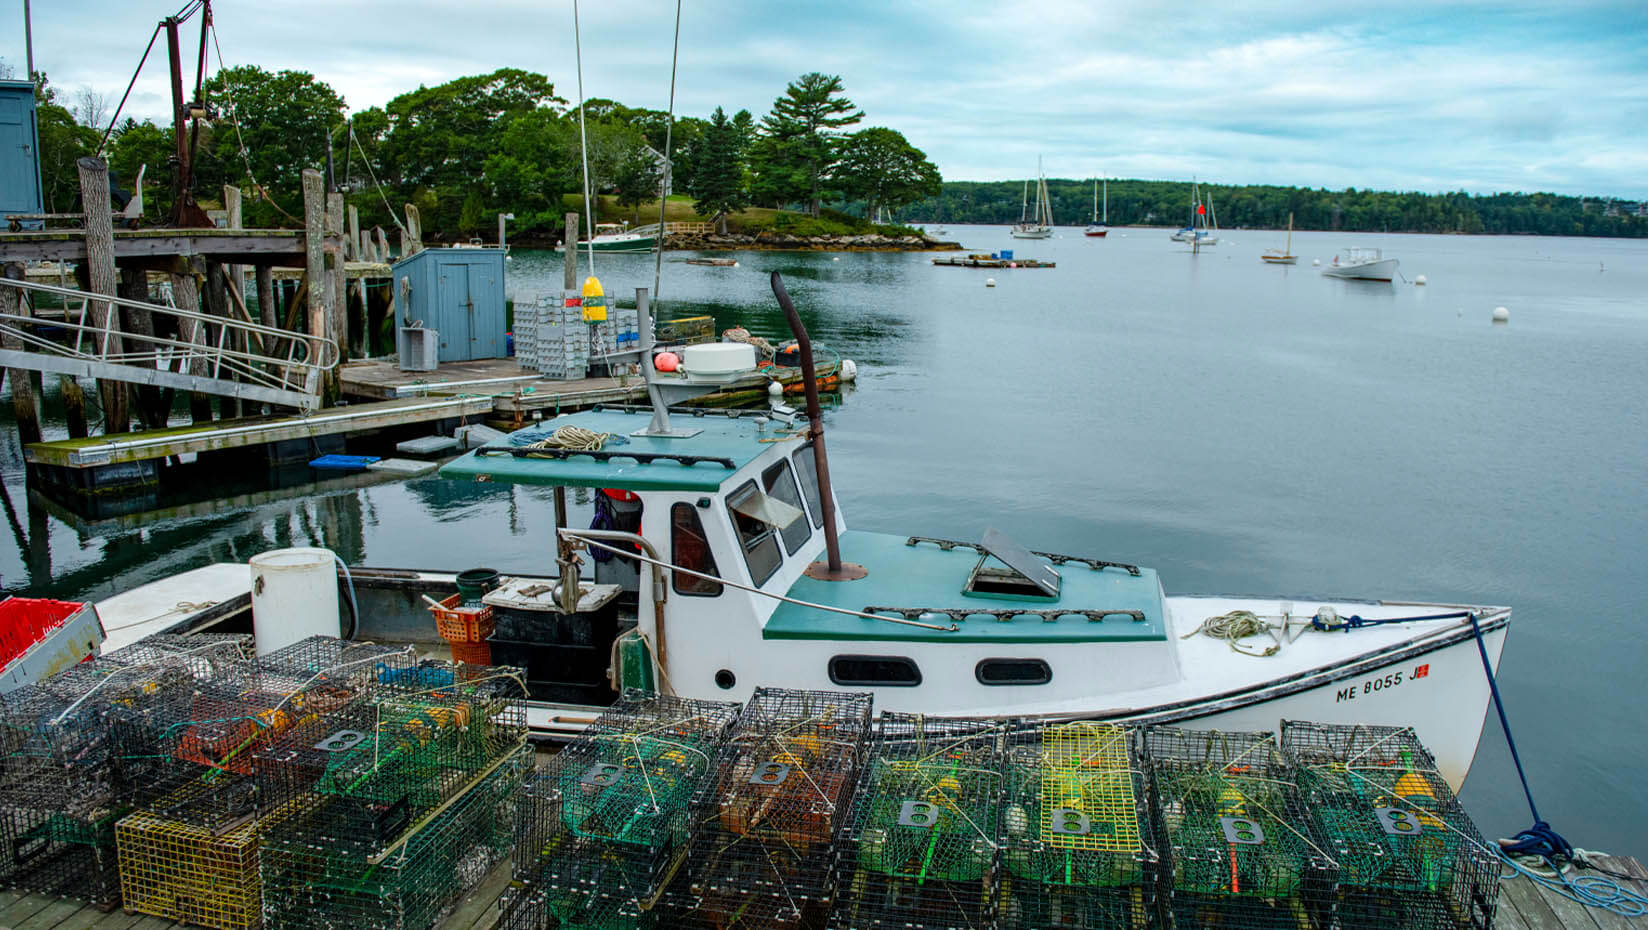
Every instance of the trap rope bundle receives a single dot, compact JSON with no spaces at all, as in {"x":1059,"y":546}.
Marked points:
{"x":1238,"y":625}
{"x":573,"y":439}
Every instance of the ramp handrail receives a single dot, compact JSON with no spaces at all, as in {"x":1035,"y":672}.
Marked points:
{"x":196,"y":344}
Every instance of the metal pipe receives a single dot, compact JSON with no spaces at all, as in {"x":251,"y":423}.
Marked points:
{"x":660,"y":580}
{"x":815,"y":424}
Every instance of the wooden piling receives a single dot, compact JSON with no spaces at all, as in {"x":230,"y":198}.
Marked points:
{"x":314,"y":242}
{"x":152,"y":403}
{"x":337,"y":308}
{"x":570,"y":253}
{"x":94,"y":195}
{"x":412,"y":241}
{"x":23,"y":399}
{"x":266,"y":296}
{"x":186,"y":294}
{"x":354,"y":245}
{"x":383,"y":244}
{"x":74,"y":406}
{"x":217,"y":304}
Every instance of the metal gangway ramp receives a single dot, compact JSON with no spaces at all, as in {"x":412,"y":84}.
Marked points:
{"x":199,"y":352}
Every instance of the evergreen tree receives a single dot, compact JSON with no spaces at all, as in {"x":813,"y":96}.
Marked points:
{"x":719,"y":187}
{"x":799,"y":138}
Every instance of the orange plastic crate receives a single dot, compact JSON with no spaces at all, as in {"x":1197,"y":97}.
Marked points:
{"x":472,"y":653}
{"x":462,"y":624}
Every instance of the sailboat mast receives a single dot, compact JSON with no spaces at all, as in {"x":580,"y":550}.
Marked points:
{"x":1107,"y":201}
{"x":1024,"y":203}
{"x":1095,"y":200}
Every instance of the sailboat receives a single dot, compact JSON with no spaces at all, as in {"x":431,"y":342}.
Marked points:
{"x":1285,"y":256}
{"x":1041,"y":225}
{"x":1198,"y":233}
{"x":1099,"y":227}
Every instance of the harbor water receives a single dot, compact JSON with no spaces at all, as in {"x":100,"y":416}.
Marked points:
{"x":1244,"y":428}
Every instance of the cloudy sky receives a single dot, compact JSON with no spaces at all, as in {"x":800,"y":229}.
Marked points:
{"x":1503,"y":96}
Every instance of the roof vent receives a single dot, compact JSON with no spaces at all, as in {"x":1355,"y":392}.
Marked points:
{"x":1021,"y":574}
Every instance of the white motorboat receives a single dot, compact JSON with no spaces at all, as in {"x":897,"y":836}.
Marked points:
{"x":1361,"y":264}
{"x":615,"y":237}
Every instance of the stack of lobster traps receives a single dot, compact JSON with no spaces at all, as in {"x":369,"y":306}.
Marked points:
{"x":1242,"y":849}
{"x":190,"y":852}
{"x":1409,"y":857}
{"x":763,"y":849}
{"x":1078,"y":845}
{"x":608,"y":823}
{"x":918,"y":849}
{"x":65,"y":779}
{"x":391,"y":807}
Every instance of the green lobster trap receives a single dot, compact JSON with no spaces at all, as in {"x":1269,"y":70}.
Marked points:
{"x":765,"y":825}
{"x":1409,"y":856}
{"x":1242,"y":850}
{"x":1078,"y":845}
{"x":608,"y":822}
{"x":918,"y":849}
{"x":318,"y":874}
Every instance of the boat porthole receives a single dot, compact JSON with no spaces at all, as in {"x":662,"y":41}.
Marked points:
{"x":725,"y":679}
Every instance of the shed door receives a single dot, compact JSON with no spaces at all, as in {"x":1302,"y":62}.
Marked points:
{"x":19,"y":175}
{"x":457,"y":313}
{"x":486,"y":332}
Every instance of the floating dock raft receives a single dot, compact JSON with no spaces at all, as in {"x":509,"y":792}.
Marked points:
{"x":990,"y":260}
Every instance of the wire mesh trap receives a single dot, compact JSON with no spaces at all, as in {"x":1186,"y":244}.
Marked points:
{"x":607,"y":823}
{"x":783,"y":784}
{"x":1243,"y":853}
{"x":918,"y":848}
{"x":381,"y":761}
{"x":1078,"y":845}
{"x":318,"y":875}
{"x":1410,"y":858}
{"x":170,"y":867}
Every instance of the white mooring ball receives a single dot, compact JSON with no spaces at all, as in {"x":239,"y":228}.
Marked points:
{"x":1501,"y":315}
{"x":775,"y":389}
{"x":989,"y":282}
{"x":1420,"y":280}
{"x":1316,"y":261}
{"x":849,"y":369}
{"x":836,"y":259}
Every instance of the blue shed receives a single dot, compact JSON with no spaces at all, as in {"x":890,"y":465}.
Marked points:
{"x":458,"y":292}
{"x":19,"y":150}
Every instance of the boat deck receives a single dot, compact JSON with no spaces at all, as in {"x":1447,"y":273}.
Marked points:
{"x":476,"y":911}
{"x":1522,"y":906}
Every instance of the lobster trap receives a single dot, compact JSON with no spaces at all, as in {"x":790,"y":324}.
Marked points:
{"x":62,"y":780}
{"x":1410,"y":858}
{"x":320,"y":875}
{"x":382,"y":760}
{"x":210,"y":736}
{"x":765,"y":826}
{"x":1078,"y":845}
{"x":918,"y":849}
{"x":170,"y":867}
{"x":606,"y":825}
{"x":1243,"y":853}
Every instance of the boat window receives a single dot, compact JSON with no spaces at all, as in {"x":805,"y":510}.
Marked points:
{"x":755,"y":535}
{"x":806,"y":465}
{"x":781,"y":485}
{"x":874,"y":671}
{"x":1013,"y":672}
{"x":690,"y":548}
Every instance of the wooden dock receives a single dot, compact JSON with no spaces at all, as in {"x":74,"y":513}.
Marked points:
{"x":1522,"y":906}
{"x":990,"y":261}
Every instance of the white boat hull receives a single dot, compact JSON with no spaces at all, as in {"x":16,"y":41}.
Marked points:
{"x":1280,"y":259}
{"x":1035,"y":232}
{"x":1382,"y":270}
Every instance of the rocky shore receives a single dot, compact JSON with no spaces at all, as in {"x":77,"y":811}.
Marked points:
{"x":771,"y":239}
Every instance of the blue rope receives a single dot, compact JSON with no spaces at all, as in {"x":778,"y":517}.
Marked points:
{"x":1540,"y":840}
{"x":1356,"y":622}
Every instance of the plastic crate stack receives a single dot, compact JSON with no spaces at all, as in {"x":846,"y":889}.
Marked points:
{"x":919,"y":848}
{"x":528,"y":315}
{"x":191,"y":850}
{"x":62,"y":784}
{"x":465,"y":629}
{"x":402,"y":803}
{"x":1242,"y":850}
{"x":784,"y":783}
{"x":606,"y":825}
{"x":1409,"y":856}
{"x":621,"y":332}
{"x":561,"y":340}
{"x":1078,"y":846}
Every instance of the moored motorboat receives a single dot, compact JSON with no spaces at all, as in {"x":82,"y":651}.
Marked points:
{"x":615,"y":237}
{"x":1362,"y":264}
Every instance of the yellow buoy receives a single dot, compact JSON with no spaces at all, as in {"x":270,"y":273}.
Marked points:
{"x":595,"y":302}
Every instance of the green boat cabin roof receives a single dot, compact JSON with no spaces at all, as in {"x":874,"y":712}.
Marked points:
{"x":925,"y":576}
{"x":724,"y":440}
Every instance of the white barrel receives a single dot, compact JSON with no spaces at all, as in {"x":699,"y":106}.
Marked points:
{"x":294,"y":596}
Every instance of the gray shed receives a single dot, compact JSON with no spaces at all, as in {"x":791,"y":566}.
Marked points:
{"x":19,"y":150}
{"x":458,"y":292}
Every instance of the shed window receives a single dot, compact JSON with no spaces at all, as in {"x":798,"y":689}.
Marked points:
{"x":1013,"y":672}
{"x":875,"y":671}
{"x":781,"y":485}
{"x":806,"y":465}
{"x":690,"y":548}
{"x":757,"y":538}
